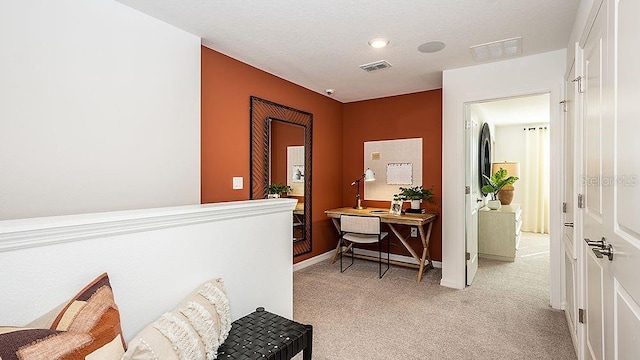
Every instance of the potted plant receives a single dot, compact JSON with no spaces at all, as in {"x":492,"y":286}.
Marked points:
{"x":415,"y":194}
{"x":495,"y":183}
{"x":277,"y":190}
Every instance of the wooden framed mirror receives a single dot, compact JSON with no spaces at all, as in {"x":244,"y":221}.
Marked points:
{"x":281,"y":153}
{"x":484,"y":159}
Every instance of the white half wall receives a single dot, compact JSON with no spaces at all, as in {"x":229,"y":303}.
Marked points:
{"x":154,"y":259}
{"x":99,"y":109}
{"x":542,"y":73}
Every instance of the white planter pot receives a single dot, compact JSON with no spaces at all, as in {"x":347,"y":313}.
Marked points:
{"x":273,"y":196}
{"x":415,"y":204}
{"x":494,"y":204}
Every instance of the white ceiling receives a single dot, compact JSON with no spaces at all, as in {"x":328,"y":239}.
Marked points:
{"x":516,"y":111}
{"x":320,"y":44}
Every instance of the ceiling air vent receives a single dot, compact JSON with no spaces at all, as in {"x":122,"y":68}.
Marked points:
{"x":497,"y":49}
{"x":378,"y":65}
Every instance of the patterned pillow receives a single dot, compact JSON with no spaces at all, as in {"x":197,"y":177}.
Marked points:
{"x":88,"y":327}
{"x":193,"y":330}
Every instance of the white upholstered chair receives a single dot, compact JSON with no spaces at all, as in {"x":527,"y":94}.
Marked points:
{"x":362,"y":230}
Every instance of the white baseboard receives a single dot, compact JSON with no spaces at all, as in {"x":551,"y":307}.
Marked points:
{"x":450,"y":284}
{"x":328,"y":255}
{"x":312,"y":261}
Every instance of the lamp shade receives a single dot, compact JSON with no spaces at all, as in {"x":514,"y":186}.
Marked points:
{"x":513,"y":168}
{"x":369,"y":175}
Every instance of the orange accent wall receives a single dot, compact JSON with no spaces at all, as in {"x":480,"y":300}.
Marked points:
{"x":398,"y":117}
{"x":227,"y":85}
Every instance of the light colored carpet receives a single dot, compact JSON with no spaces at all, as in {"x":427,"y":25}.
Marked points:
{"x":505,"y":314}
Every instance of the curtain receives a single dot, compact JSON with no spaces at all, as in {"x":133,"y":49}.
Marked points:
{"x":535,"y":181}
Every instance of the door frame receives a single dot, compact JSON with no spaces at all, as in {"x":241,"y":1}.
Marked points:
{"x":471,"y":204}
{"x":578,"y":188}
{"x":552,"y":128}
{"x":454,"y":264}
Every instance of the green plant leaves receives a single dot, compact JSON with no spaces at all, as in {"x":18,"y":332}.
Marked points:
{"x":279,"y":188}
{"x":415,"y":193}
{"x":497,"y":182}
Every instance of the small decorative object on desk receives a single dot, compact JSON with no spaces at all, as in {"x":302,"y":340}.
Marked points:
{"x":396,"y":207}
{"x":416,"y":211}
{"x":415,"y":194}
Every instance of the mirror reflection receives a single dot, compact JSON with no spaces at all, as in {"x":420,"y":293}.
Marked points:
{"x":286,"y":167}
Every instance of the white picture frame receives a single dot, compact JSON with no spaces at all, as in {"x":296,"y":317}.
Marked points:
{"x":396,"y":207}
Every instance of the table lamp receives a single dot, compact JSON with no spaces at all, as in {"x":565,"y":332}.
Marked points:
{"x":368,"y":175}
{"x":513,"y":169}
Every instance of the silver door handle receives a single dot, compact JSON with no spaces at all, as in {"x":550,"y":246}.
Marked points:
{"x":570,"y":224}
{"x":600,"y":243}
{"x":606,"y":251}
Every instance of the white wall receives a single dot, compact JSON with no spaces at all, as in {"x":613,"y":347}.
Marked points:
{"x":154,"y":259}
{"x":520,"y":76}
{"x":99,"y":109}
{"x":585,"y":15}
{"x":510,"y":146}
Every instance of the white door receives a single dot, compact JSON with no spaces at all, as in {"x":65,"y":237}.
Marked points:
{"x":569,"y":195}
{"x":624,"y":194}
{"x":594,"y":69}
{"x":570,"y":261}
{"x":612,"y":150}
{"x":472,"y":203}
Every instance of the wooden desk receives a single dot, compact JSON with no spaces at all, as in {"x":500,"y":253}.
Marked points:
{"x":417,"y":220}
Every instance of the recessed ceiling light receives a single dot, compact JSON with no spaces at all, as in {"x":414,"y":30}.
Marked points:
{"x":431,"y":47}
{"x":378,"y":43}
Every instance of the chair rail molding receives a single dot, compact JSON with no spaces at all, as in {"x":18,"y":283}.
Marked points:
{"x":34,"y":232}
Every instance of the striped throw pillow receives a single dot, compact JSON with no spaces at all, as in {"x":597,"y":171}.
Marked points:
{"x":88,"y":327}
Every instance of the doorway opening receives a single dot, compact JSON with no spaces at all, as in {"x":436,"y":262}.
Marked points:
{"x":519,"y":142}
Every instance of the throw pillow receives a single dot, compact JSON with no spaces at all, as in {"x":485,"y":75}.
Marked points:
{"x":193,"y":330}
{"x":87,"y":327}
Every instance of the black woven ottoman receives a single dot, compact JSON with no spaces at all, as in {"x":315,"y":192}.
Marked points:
{"x":263,"y":335}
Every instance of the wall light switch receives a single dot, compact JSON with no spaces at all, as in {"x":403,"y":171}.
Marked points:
{"x":237,"y":183}
{"x":375,"y":156}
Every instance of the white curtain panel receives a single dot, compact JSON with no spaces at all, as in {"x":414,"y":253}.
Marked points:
{"x":535,"y":181}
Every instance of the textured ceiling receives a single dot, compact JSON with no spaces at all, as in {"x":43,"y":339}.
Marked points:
{"x":320,"y":44}
{"x":534,"y":109}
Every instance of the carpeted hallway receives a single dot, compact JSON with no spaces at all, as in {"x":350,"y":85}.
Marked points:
{"x":505,"y":314}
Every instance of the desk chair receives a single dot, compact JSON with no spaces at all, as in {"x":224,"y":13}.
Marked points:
{"x":362,"y":230}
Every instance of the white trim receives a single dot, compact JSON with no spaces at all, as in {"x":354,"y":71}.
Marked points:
{"x":312,"y":261}
{"x":26,"y":233}
{"x":515,"y":77}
